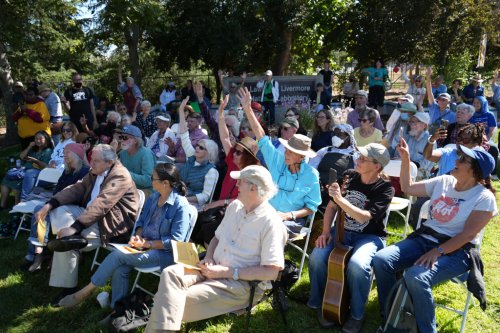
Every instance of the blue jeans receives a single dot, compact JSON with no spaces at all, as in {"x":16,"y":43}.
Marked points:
{"x":419,"y":280}
{"x":33,"y":232}
{"x":118,"y":265}
{"x":29,"y":180}
{"x":358,"y":270}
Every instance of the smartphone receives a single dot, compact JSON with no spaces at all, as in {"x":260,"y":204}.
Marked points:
{"x":444,"y":124}
{"x":332,"y":176}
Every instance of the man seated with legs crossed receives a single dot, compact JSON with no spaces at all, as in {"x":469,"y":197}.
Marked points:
{"x":248,"y":245}
{"x":102,"y":208}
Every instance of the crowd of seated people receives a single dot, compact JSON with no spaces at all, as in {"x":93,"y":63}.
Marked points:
{"x":225,"y":168}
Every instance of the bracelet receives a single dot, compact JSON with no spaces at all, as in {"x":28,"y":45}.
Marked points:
{"x":226,"y":202}
{"x":293,"y":215}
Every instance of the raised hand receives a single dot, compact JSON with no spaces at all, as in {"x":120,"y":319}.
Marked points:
{"x":223,"y":104}
{"x":245,"y":97}
{"x":402,"y":149}
{"x":183,"y":106}
{"x":198,"y":90}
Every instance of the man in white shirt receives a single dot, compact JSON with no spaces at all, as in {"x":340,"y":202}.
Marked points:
{"x":248,"y":245}
{"x":167,"y":96}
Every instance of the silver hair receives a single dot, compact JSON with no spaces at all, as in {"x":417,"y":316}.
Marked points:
{"x":114,"y":114}
{"x":469,"y":108}
{"x":79,"y":164}
{"x":235,"y":128}
{"x":140,"y":142}
{"x":265,"y":193}
{"x":145,"y":103}
{"x":212,"y":150}
{"x":108,"y":153}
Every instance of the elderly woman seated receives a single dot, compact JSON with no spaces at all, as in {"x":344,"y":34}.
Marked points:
{"x":298,"y":183}
{"x":199,"y":172}
{"x":367,"y":133}
{"x":75,"y":168}
{"x":145,"y":120}
{"x":166,"y":217}
{"x":138,"y":159}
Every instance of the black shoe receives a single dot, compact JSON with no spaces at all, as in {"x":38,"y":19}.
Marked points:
{"x":37,"y":263}
{"x":65,"y":292}
{"x":325,"y":323}
{"x":353,"y":325}
{"x":68,"y":243}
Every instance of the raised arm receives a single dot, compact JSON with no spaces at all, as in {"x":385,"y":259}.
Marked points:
{"x":246,"y":102}
{"x":430,"y":153}
{"x":407,"y":186}
{"x":223,"y":130}
{"x":428,"y":85}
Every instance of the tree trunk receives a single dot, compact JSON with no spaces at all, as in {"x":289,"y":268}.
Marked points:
{"x":132,"y":36}
{"x":218,"y":84}
{"x":283,"y":56}
{"x":6,"y":82}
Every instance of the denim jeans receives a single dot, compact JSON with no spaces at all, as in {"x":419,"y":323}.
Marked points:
{"x":358,"y":270}
{"x":118,"y":265}
{"x":33,"y":232}
{"x":419,"y":280}
{"x":29,"y":180}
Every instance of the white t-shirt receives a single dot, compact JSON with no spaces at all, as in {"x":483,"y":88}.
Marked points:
{"x":449,"y":209}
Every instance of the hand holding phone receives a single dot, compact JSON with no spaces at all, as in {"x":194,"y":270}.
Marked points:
{"x":332,"y":176}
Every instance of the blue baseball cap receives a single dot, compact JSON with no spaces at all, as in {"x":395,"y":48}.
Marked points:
{"x":131,"y":130}
{"x":485,"y":160}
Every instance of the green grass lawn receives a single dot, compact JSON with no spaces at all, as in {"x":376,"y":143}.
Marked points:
{"x":24,"y":298}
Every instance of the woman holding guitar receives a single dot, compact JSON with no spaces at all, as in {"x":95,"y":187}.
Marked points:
{"x":365,"y":201}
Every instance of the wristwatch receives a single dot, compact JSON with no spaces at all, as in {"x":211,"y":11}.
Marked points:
{"x":440,"y":250}
{"x":236,"y":277}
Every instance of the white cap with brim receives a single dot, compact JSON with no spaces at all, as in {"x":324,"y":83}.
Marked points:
{"x":376,"y":151}
{"x":422,"y":117}
{"x":299,"y":144}
{"x":255,"y":174}
{"x":269,"y":73}
{"x":163,"y":117}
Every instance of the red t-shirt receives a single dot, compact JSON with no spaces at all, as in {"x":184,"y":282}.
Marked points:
{"x":229,"y":189}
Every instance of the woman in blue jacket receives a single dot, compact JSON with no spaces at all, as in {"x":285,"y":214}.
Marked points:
{"x":166,"y":216}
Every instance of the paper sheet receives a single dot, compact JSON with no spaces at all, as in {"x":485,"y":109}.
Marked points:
{"x":185,"y":254}
{"x":125,"y":248}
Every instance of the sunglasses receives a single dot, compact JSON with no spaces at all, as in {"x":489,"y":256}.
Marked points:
{"x":201,"y":147}
{"x":464,"y":159}
{"x":285,"y":128}
{"x":320,"y":117}
{"x":67,"y":130}
{"x":363,"y":120}
{"x":243,"y":128}
{"x":290,"y":115}
{"x":123,"y":137}
{"x":238,"y":152}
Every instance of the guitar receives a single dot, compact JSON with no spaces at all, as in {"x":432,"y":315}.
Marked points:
{"x":336,"y":299}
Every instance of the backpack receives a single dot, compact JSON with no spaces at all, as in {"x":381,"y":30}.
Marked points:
{"x":132,"y":311}
{"x":399,"y":310}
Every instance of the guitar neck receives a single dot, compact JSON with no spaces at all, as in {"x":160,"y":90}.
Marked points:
{"x":339,"y":223}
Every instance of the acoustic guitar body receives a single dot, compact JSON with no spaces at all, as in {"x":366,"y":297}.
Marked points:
{"x":336,"y":299}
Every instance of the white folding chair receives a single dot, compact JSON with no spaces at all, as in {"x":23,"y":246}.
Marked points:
{"x":156,"y":270}
{"x":305,"y":232}
{"x":424,"y":215}
{"x":142,"y":199}
{"x":48,"y":175}
{"x":398,"y":204}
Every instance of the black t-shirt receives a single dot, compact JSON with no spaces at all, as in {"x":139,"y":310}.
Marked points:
{"x":79,"y":100}
{"x":374,"y":198}
{"x":327,"y":76}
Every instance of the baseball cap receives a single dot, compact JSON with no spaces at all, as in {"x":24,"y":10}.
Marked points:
{"x":78,"y":149}
{"x":19,"y":84}
{"x":43,"y":87}
{"x":408,"y":107}
{"x":130,"y":130}
{"x":362,"y":93}
{"x":255,"y":174}
{"x":269,"y":73}
{"x":485,"y":160}
{"x":256,"y":106}
{"x":290,"y":122}
{"x":163,"y":117}
{"x":444,"y":96}
{"x":423,"y":117}
{"x":376,"y":151}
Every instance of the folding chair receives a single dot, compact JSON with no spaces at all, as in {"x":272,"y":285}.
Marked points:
{"x":398,"y":204}
{"x":142,"y":199}
{"x":460,"y":280}
{"x":304,"y":232}
{"x":48,"y":175}
{"x":156,"y":270}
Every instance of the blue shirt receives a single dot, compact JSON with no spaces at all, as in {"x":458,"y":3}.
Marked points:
{"x":447,"y":161}
{"x":373,"y":73}
{"x":436,"y":116}
{"x":469,"y":93}
{"x":295,"y":191}
{"x":174,"y":222}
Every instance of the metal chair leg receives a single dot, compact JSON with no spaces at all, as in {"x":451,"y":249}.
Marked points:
{"x":250,"y":305}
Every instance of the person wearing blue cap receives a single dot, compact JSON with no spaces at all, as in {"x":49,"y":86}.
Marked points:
{"x":134,"y":156}
{"x":461,"y":205}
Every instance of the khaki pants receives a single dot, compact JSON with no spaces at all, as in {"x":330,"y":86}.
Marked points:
{"x":187,"y":297}
{"x":64,"y":272}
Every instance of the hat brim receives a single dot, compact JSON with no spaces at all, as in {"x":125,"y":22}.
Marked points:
{"x":468,"y":152}
{"x":248,"y":150}
{"x":307,"y":153}
{"x":162,"y":118}
{"x":407,"y":110}
{"x":235,"y":174}
{"x":363,"y":151}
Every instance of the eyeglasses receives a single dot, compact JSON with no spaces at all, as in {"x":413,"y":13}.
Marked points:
{"x":153,"y":179}
{"x":363,"y":120}
{"x":123,"y":137}
{"x":244,"y":128}
{"x":285,"y":185}
{"x":418,"y":81}
{"x":289,"y":115}
{"x":123,"y":109}
{"x":201,"y":147}
{"x":320,"y":117}
{"x":363,"y":159}
{"x":237,"y":152}
{"x":413,"y":122}
{"x":284,"y":128}
{"x":67,"y":130}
